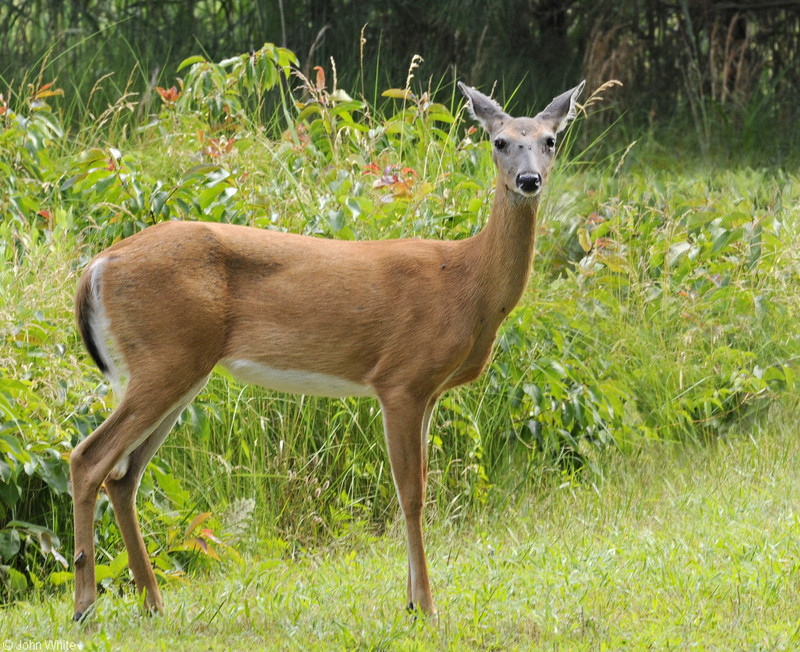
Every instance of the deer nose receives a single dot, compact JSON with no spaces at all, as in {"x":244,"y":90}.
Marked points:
{"x":529,"y":182}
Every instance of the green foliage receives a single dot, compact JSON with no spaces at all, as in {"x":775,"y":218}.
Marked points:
{"x":668,"y":315}
{"x":724,"y":70}
{"x":217,"y":90}
{"x":27,"y":138}
{"x":662,"y":307}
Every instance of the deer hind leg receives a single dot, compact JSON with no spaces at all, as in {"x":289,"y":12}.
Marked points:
{"x":135,"y":428}
{"x":122,"y":485}
{"x":403,"y":418}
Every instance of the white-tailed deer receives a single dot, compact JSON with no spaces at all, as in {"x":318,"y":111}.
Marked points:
{"x":401,"y":320}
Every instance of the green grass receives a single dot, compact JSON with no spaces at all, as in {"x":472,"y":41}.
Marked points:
{"x":671,"y":547}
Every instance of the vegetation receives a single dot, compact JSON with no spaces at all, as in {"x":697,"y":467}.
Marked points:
{"x":726,"y":73}
{"x":670,"y":547}
{"x":662,"y":310}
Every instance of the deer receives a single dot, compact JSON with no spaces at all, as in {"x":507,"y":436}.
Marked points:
{"x":400,"y":320}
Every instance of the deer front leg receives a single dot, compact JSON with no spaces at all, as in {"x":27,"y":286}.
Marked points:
{"x":403,"y":418}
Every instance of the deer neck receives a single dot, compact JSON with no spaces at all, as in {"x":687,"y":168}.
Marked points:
{"x":504,"y":250}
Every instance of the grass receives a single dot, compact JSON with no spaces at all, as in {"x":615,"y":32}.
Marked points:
{"x":670,"y":547}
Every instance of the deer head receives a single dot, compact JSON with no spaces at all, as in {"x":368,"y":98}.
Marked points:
{"x":523,"y":149}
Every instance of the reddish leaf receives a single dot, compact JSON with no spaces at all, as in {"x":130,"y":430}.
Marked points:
{"x":320,"y":78}
{"x":208,"y":534}
{"x":169,"y":95}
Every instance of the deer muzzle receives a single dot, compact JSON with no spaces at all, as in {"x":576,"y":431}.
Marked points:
{"x":529,"y":183}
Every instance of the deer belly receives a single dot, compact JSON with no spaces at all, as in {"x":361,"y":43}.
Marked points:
{"x":295,"y":381}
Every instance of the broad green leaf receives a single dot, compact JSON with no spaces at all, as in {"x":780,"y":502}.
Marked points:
{"x":9,"y":543}
{"x":119,"y":563}
{"x":190,"y":61}
{"x":102,"y":572}
{"x":59,"y":578}
{"x":18,"y":582}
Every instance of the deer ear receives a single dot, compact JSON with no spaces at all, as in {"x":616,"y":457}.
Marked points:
{"x":484,"y":109}
{"x":562,"y":109}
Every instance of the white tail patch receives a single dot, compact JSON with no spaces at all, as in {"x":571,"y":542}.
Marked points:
{"x":100,"y":326}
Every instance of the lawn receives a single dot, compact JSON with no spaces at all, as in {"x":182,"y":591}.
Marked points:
{"x":670,"y":547}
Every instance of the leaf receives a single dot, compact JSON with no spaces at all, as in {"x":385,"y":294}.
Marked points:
{"x":474,"y":205}
{"x":725,"y":238}
{"x":171,"y":487}
{"x":534,"y":391}
{"x":39,"y":531}
{"x":190,"y":61}
{"x":676,"y":251}
{"x":208,"y":534}
{"x":556,"y":367}
{"x":336,"y":220}
{"x":89,"y":156}
{"x":5,"y":471}
{"x":171,"y":575}
{"x":54,"y":473}
{"x":614,"y":261}
{"x":102,"y":572}
{"x":197,"y":521}
{"x":19,"y":583}
{"x":225,"y":63}
{"x":59,"y":558}
{"x":699,"y":218}
{"x":441,"y":113}
{"x":585,"y":240}
{"x":398,"y":93}
{"x":354,"y":207}
{"x":9,"y":544}
{"x":119,"y":563}
{"x":21,"y":390}
{"x":59,"y":578}
{"x":195,"y":544}
{"x":340,"y":96}
{"x":9,"y":494}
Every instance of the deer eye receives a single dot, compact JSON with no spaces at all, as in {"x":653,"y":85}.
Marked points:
{"x":550,"y":143}
{"x":500,"y":144}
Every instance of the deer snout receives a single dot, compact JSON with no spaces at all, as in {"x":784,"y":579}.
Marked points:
{"x":529,"y":182}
